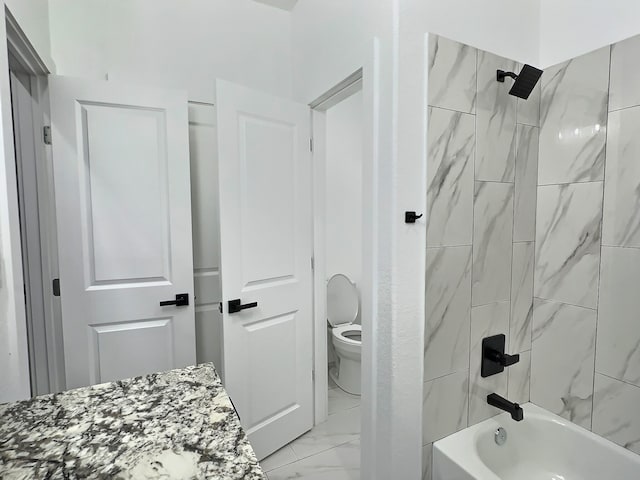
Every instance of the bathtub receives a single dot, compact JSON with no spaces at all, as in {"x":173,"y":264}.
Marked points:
{"x":542,"y":447}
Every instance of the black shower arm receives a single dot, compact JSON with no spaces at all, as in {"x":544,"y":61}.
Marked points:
{"x":502,"y":74}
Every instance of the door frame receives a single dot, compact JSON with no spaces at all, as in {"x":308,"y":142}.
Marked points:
{"x":46,"y":367}
{"x":319,"y":107}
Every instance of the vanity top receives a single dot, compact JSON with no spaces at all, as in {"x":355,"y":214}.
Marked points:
{"x":177,"y":424}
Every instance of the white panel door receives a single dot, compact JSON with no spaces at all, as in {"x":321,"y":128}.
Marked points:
{"x":265,"y":228}
{"x":121,"y":169}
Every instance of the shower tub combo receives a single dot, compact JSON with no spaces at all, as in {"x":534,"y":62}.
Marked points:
{"x":542,"y":447}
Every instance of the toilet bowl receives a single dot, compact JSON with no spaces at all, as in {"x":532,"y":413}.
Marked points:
{"x":343,"y":306}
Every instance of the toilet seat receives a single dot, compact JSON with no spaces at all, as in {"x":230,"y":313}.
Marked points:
{"x":343,"y":304}
{"x":340,"y":332}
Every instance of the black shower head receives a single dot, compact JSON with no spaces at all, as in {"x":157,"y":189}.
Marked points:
{"x":525,"y":82}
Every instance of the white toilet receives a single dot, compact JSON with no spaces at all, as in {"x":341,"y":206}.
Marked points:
{"x":343,"y":306}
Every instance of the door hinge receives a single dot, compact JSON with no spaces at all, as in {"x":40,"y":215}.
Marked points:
{"x":47,"y":135}
{"x":313,"y":263}
{"x":313,"y":375}
{"x":311,"y":144}
{"x":56,"y":287}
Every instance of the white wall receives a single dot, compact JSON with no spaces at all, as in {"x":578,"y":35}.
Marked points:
{"x":343,"y":189}
{"x":33,"y":17}
{"x":184,"y":44}
{"x":570,"y":28}
{"x":504,"y":27}
{"x":332,"y":39}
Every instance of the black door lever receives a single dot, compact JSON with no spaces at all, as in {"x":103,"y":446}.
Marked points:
{"x":236,"y":306}
{"x":182,"y":300}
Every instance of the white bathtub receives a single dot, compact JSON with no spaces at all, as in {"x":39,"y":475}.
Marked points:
{"x":542,"y":447}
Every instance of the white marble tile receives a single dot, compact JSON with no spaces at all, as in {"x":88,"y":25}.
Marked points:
{"x":562,"y":360}
{"x":427,"y":459}
{"x":448,"y":306}
{"x":450,"y":177}
{"x":282,"y":457}
{"x":340,"y":400}
{"x":492,"y":239}
{"x":452,"y":75}
{"x":529,"y":110}
{"x":341,"y":427}
{"x":616,"y":415}
{"x":526,"y":181}
{"x":340,"y":463}
{"x":573,"y":119}
{"x":568,"y":243}
{"x":496,"y":121}
{"x":519,"y":379}
{"x":521,"y":296}
{"x":621,"y":222}
{"x":625,"y":74}
{"x":618,"y":343}
{"x":486,"y":321}
{"x":445,"y":407}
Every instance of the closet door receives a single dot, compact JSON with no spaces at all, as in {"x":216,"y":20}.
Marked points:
{"x":121,"y":169}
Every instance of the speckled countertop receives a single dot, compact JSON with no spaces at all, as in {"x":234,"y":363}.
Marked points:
{"x":177,"y":424}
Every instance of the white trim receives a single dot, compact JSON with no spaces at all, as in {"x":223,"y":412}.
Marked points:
{"x":28,"y":62}
{"x":19,"y":46}
{"x":337,"y":94}
{"x":14,"y":374}
{"x":321,"y":377}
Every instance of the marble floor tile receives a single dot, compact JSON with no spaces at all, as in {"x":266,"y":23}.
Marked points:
{"x":526,"y":182}
{"x":448,"y":307}
{"x":492,"y":242}
{"x":562,"y":360}
{"x":427,"y":459}
{"x":487,"y":320}
{"x":618,"y":342}
{"x":340,"y":428}
{"x":282,"y":457}
{"x":521,"y":297}
{"x":450,"y":178}
{"x":445,"y":406}
{"x":496,"y":121}
{"x":573,"y":119}
{"x":568,"y":243}
{"x":621,"y":222}
{"x":625,"y":74}
{"x":519,"y":379}
{"x":616,"y":415}
{"x":340,"y":400}
{"x":340,"y":463}
{"x":452,"y":75}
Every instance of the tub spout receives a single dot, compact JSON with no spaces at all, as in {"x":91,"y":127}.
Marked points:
{"x":513,"y":409}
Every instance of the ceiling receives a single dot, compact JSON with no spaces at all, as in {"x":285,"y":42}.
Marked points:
{"x":282,"y":4}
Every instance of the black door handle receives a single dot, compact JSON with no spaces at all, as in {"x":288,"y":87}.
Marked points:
{"x":236,"y":306}
{"x":182,"y":300}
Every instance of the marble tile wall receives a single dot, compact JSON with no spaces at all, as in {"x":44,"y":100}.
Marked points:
{"x":481,"y":187}
{"x":585,"y":356}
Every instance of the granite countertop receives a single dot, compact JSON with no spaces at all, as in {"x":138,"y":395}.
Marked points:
{"x":176,"y":424}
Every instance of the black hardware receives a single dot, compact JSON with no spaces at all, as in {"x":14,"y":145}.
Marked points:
{"x":56,"y":287}
{"x":502,"y":403}
{"x":182,"y":300}
{"x":502,"y":75}
{"x":236,"y":306}
{"x":494,"y":360}
{"x":411,"y":217}
{"x":524,"y":83}
{"x":220,"y":307}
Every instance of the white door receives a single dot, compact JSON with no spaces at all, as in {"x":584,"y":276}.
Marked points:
{"x":121,"y":168}
{"x":265,"y":228}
